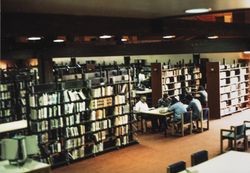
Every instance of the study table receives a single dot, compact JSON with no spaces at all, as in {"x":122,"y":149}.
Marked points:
{"x":30,"y":166}
{"x":229,"y":162}
{"x":155,"y":113}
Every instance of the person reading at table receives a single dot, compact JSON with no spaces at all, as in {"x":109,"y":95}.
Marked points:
{"x":165,"y":101}
{"x":141,"y":105}
{"x":178,"y":108}
{"x":202,"y":96}
{"x":194,"y":105}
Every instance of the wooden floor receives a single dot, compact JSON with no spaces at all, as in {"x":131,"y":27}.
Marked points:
{"x":155,"y":151}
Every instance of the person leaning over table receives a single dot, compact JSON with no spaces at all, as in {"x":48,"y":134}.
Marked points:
{"x":178,"y":108}
{"x":194,"y":105}
{"x":202,"y":96}
{"x":165,"y":101}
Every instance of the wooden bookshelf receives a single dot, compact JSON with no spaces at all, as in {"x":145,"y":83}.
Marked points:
{"x":7,"y":101}
{"x":228,"y":88}
{"x":81,"y":118}
{"x":176,"y":81}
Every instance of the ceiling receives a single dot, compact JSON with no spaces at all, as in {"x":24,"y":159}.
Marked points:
{"x":119,"y":8}
{"x":81,"y":22}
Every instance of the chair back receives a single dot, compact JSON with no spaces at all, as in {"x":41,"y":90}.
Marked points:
{"x":187,"y":117}
{"x":199,"y":157}
{"x":176,"y":167}
{"x":240,"y":130}
{"x":205,"y":113}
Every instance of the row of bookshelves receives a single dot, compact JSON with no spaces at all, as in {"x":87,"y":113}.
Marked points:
{"x":82,"y":115}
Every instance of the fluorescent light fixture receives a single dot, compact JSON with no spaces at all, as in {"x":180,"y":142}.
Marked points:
{"x":124,"y":39}
{"x":105,"y":36}
{"x":34,"y":38}
{"x":213,"y":37}
{"x":247,"y":52}
{"x":58,"y":40}
{"x":168,"y":36}
{"x":198,"y":10}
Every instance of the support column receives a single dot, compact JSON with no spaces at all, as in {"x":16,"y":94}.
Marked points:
{"x":45,"y":68}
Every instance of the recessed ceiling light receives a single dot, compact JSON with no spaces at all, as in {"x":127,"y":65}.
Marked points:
{"x":213,"y":37}
{"x":34,"y":38}
{"x":247,"y":52}
{"x":124,"y":39}
{"x":58,"y":40}
{"x":105,"y":36}
{"x":198,"y":10}
{"x":168,"y":36}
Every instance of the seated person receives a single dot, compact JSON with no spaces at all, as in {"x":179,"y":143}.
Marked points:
{"x":141,"y":105}
{"x":195,"y":106}
{"x":202,"y":96}
{"x":178,"y":108}
{"x":165,"y":101}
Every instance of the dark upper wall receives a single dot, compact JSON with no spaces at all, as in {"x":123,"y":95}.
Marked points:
{"x":191,"y":35}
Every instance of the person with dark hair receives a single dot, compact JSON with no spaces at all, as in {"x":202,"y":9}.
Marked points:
{"x":165,"y":101}
{"x":195,"y":105}
{"x":178,"y":108}
{"x":202,"y":96}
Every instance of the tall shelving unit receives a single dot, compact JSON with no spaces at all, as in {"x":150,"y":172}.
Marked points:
{"x":111,"y":104}
{"x":13,"y":89}
{"x":228,"y":88}
{"x":46,"y":120}
{"x":77,"y":119}
{"x":7,"y":101}
{"x":176,"y":81}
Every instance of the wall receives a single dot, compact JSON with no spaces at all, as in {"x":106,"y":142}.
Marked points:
{"x":120,"y":59}
{"x":174,"y":58}
{"x":218,"y":57}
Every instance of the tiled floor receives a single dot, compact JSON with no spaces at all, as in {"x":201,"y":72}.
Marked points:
{"x":155,"y":151}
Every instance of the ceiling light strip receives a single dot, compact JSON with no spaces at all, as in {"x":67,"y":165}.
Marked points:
{"x":197,"y":10}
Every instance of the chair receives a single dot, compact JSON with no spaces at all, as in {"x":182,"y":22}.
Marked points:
{"x":186,"y":120}
{"x":247,"y":133}
{"x":204,"y":118}
{"x":176,"y":167}
{"x":199,"y":157}
{"x":233,"y":135}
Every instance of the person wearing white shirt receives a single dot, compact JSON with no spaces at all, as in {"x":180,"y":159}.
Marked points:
{"x":141,"y":105}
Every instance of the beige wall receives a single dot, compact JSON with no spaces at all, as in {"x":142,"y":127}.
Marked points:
{"x":218,"y":57}
{"x":174,"y":58}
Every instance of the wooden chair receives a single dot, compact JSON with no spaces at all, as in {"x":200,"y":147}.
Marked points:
{"x":199,"y":157}
{"x":205,"y":117}
{"x":233,"y":135}
{"x":186,"y":120}
{"x":176,"y":167}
